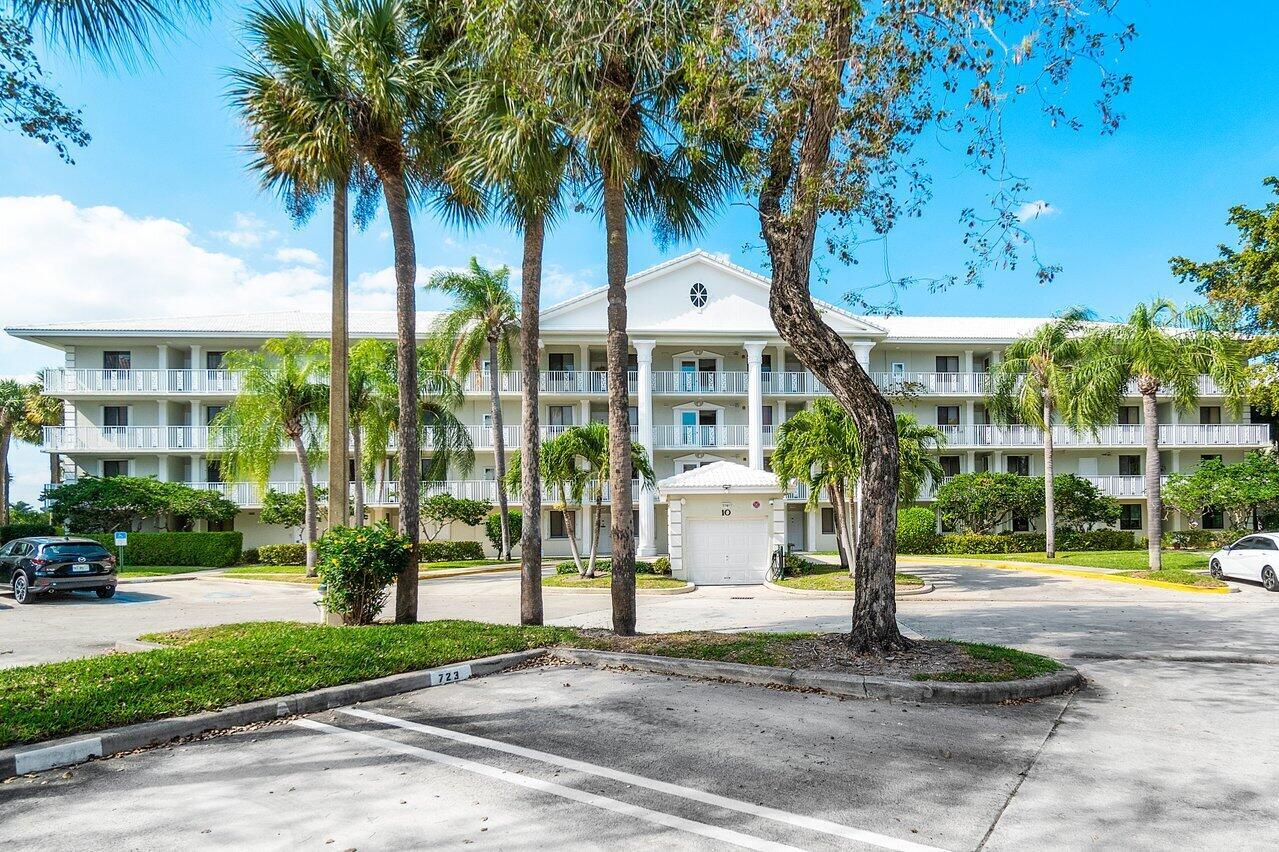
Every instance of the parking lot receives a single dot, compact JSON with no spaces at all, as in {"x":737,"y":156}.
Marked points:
{"x":1174,"y":750}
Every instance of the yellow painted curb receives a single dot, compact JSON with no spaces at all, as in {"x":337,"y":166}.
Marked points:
{"x":1036,"y":568}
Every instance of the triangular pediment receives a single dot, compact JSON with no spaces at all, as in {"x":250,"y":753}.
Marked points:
{"x":696,"y":293}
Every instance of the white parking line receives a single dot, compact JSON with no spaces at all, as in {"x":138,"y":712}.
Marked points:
{"x":870,"y":838}
{"x":714,"y":832}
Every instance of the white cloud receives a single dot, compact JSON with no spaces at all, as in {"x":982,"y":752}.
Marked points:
{"x":558,"y":284}
{"x":1038,"y":209}
{"x":248,"y":231}
{"x":298,"y":255}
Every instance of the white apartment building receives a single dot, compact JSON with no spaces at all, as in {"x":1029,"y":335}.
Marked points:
{"x":710,"y":380}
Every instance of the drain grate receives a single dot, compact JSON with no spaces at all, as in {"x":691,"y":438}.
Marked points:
{"x":741,"y":598}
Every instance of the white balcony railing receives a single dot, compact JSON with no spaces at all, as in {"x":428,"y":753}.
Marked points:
{"x":189,"y":382}
{"x":680,"y":437}
{"x":1117,"y":435}
{"x":249,"y":494}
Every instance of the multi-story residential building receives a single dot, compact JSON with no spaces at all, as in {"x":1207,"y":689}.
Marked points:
{"x":710,"y":380}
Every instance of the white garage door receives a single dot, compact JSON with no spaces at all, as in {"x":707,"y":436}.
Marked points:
{"x":724,"y":552}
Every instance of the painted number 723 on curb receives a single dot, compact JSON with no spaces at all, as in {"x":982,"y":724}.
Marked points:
{"x":450,"y":675}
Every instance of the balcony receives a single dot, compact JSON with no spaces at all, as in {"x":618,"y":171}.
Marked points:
{"x":141,"y":382}
{"x":1118,"y":435}
{"x":249,"y":494}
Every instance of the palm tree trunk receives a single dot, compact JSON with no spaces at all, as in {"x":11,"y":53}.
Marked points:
{"x":530,"y":438}
{"x":619,"y":420}
{"x":597,"y":521}
{"x":499,"y":449}
{"x":397,"y":206}
{"x":339,"y":360}
{"x":1050,"y":509}
{"x":308,"y":489}
{"x":570,"y":524}
{"x":5,"y":437}
{"x":1154,"y":498}
{"x":357,"y":459}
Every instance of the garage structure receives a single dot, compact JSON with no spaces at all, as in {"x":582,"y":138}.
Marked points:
{"x":724,"y":520}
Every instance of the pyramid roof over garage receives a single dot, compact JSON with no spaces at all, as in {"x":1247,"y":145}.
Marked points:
{"x":721,"y":477}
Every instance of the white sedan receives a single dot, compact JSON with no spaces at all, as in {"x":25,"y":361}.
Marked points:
{"x":1253,"y":557}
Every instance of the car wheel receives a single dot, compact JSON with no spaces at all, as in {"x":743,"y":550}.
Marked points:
{"x":21,"y":587}
{"x":1214,"y":569}
{"x":106,"y":592}
{"x":1269,"y":580}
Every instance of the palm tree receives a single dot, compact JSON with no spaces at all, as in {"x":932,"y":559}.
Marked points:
{"x":919,"y":444}
{"x":305,"y":151}
{"x":371,"y":394}
{"x":820,"y":447}
{"x":1160,"y":350}
{"x":119,"y":31}
{"x":514,"y":143}
{"x":561,"y":474}
{"x":24,"y":411}
{"x":280,"y":400}
{"x":624,"y":67}
{"x":482,"y":324}
{"x":1032,"y":382}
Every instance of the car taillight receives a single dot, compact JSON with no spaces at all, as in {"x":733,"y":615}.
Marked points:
{"x":39,"y":561}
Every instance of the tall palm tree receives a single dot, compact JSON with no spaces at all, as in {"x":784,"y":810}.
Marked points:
{"x":371,"y":398}
{"x":305,"y":151}
{"x":1033,"y":382}
{"x":281,"y":400}
{"x":820,"y":448}
{"x":624,"y":67}
{"x":514,"y":142}
{"x":919,"y":444}
{"x":119,"y":31}
{"x":1162,"y":351}
{"x":564,"y":478}
{"x":482,"y":324}
{"x":24,"y":411}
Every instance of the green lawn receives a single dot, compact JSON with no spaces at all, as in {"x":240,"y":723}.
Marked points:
{"x":158,"y":570}
{"x":462,"y":563}
{"x":215,"y":667}
{"x":1122,"y":560}
{"x":604,"y":581}
{"x":1177,"y":575}
{"x":832,"y":578}
{"x":212,"y":667}
{"x":1010,"y":663}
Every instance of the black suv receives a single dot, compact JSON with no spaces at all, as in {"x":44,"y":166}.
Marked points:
{"x":56,"y":564}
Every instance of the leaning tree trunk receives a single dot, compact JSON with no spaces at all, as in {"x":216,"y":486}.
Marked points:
{"x":357,"y":459}
{"x":530,"y":438}
{"x":789,"y":205}
{"x":1154,"y":497}
{"x":339,"y":361}
{"x":1050,"y":508}
{"x":570,"y":524}
{"x":410,"y":439}
{"x":499,"y":450}
{"x":596,"y":521}
{"x":308,"y":489}
{"x":619,"y":419}
{"x":824,"y":352}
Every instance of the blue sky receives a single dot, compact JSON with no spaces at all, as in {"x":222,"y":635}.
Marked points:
{"x":159,"y":215}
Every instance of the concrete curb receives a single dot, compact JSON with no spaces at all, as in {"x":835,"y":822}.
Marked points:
{"x":559,"y":590}
{"x":162,"y":578}
{"x":834,"y":683}
{"x":1078,"y":573}
{"x":133,"y":646}
{"x":36,"y":757}
{"x":463,"y":572}
{"x":1237,"y":657}
{"x":900,"y":591}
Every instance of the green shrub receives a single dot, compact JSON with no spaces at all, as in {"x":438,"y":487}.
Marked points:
{"x":1034,"y":542}
{"x":1201,"y":539}
{"x":9,"y":532}
{"x":282,"y":554}
{"x":357,"y":566}
{"x":662,"y":566}
{"x":194,"y":549}
{"x":1099,"y":540}
{"x":566,"y":567}
{"x":605,"y":565}
{"x":916,"y":530}
{"x":514,"y":526}
{"x":250,"y":557}
{"x":797,"y":565}
{"x":449,"y":551}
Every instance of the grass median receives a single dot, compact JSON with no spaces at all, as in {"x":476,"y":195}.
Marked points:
{"x":1180,"y":567}
{"x":832,"y":578}
{"x":297,"y":573}
{"x":158,"y":570}
{"x":604,"y":581}
{"x":214,"y":667}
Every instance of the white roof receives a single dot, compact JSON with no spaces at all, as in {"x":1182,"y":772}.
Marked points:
{"x":720,"y":476}
{"x":906,"y":329}
{"x":362,"y":324}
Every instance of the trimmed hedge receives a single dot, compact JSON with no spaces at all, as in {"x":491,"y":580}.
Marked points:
{"x":282,"y":554}
{"x":1034,"y":542}
{"x":605,"y":565}
{"x":250,"y":556}
{"x":449,"y":551}
{"x":9,"y":532}
{"x":1201,"y":539}
{"x":916,"y":530}
{"x":191,"y":549}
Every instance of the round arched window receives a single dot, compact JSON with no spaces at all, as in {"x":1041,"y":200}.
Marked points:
{"x":697,"y":295}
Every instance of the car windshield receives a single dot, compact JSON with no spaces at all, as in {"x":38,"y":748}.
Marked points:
{"x":74,"y":549}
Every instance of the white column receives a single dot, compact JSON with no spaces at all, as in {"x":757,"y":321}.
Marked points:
{"x":972,"y":462}
{"x":968,"y":360}
{"x":162,"y":468}
{"x":586,"y":412}
{"x":644,"y":393}
{"x":810,"y":540}
{"x":970,"y":408}
{"x":162,"y":365}
{"x":584,"y":367}
{"x":197,"y":355}
{"x":755,"y":404}
{"x":861,"y":349}
{"x":198,"y":469}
